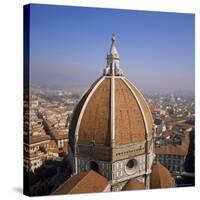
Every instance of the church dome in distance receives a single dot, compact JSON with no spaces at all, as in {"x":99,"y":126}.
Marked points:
{"x":112,"y":111}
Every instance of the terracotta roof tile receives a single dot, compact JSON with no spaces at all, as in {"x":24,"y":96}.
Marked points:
{"x":76,"y":113}
{"x":83,"y":182}
{"x":160,"y":177}
{"x":175,"y":149}
{"x":129,"y":124}
{"x":131,"y":113}
{"x":95,"y":123}
{"x":134,"y":184}
{"x":144,"y":106}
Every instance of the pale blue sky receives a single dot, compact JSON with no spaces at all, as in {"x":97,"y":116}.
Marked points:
{"x":69,"y":45}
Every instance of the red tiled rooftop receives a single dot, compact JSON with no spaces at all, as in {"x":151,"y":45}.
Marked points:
{"x":83,"y":182}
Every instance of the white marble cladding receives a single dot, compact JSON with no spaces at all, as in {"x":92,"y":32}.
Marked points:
{"x":148,"y":181}
{"x":151,"y":155}
{"x":117,"y":171}
{"x":118,"y":187}
{"x":141,"y":179}
{"x":129,"y":150}
{"x":120,"y":170}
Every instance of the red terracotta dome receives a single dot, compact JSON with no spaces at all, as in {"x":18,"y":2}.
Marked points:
{"x":111,"y":111}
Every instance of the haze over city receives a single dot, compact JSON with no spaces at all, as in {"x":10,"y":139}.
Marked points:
{"x":69,"y":45}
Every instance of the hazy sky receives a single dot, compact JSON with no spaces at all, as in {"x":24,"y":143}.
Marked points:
{"x":68,"y":47}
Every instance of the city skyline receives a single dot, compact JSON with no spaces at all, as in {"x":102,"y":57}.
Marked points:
{"x":69,"y":45}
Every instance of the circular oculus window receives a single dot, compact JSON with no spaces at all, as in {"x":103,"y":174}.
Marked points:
{"x":131,"y":163}
{"x":131,"y":166}
{"x":93,"y":165}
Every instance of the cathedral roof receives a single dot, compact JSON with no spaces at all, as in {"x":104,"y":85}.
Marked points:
{"x":83,"y":182}
{"x":134,"y":184}
{"x":170,"y":150}
{"x":111,"y":111}
{"x":160,"y":177}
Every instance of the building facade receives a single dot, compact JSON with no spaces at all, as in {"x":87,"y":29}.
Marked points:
{"x":173,"y":156}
